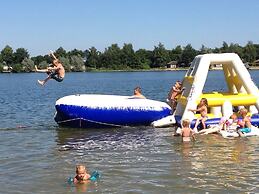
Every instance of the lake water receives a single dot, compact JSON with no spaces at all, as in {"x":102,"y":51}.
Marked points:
{"x":36,"y":156}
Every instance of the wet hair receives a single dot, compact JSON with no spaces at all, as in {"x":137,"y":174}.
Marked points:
{"x":80,"y":167}
{"x":205,"y":101}
{"x":186,"y":123}
{"x":138,"y":89}
{"x":243,"y":110}
{"x":178,"y":82}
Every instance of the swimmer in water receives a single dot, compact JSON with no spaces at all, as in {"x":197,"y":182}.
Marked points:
{"x":81,"y":175}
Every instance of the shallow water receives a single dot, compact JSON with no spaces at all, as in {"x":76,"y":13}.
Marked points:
{"x":37,"y":156}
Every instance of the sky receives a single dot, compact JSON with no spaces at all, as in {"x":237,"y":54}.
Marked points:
{"x":43,"y":25}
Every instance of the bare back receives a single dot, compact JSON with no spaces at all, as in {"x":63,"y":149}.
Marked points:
{"x":186,"y":132}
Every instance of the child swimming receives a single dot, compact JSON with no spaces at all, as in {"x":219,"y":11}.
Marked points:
{"x":81,"y":175}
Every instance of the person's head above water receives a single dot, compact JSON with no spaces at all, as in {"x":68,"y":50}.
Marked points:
{"x":80,"y":171}
{"x":137,"y":90}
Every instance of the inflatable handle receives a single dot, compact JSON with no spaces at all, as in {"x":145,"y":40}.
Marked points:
{"x":94,"y":176}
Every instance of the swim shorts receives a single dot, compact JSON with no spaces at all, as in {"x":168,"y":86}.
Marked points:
{"x":54,"y":75}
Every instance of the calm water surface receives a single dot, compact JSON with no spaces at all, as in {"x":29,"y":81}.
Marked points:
{"x":37,"y":156}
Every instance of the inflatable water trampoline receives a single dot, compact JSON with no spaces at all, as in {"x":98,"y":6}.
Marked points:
{"x":92,"y":111}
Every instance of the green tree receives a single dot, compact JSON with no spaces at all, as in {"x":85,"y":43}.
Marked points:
{"x":93,"y":58}
{"x":128,"y":57}
{"x":176,"y":53}
{"x":7,"y":55}
{"x":43,"y":65}
{"x":249,"y":52}
{"x":77,"y":63}
{"x":1,"y":58}
{"x":76,"y":52}
{"x":1,"y":67}
{"x":257,"y":50}
{"x":144,"y":59}
{"x":236,"y":48}
{"x":205,"y":50}
{"x":66,"y":63}
{"x":188,"y":54}
{"x":160,"y":56}
{"x":111,"y":57}
{"x":224,"y":48}
{"x":60,"y":52}
{"x":17,"y":68}
{"x":28,"y":65}
{"x":38,"y":59}
{"x":20,"y":54}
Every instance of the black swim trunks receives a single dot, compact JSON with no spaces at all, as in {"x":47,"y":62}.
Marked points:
{"x":54,"y":75}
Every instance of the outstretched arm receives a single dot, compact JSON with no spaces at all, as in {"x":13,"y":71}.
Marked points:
{"x":52,"y":54}
{"x":40,"y":70}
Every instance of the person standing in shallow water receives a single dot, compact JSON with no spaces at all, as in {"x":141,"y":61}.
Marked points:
{"x":57,"y":72}
{"x":186,"y":132}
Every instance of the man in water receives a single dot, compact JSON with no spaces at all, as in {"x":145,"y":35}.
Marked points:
{"x":57,"y":72}
{"x":137,"y":93}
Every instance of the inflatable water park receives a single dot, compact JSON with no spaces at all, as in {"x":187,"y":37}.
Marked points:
{"x":90,"y":110}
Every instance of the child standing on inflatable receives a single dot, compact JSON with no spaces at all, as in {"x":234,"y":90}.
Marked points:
{"x":186,"y":132}
{"x":57,"y":72}
{"x":173,"y":94}
{"x":203,"y":109}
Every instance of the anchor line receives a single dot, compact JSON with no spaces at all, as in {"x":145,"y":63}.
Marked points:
{"x":88,"y":120}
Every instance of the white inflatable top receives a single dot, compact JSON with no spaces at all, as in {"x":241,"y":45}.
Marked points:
{"x":112,"y":101}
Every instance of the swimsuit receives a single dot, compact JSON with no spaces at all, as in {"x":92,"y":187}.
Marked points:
{"x":54,"y":75}
{"x":186,"y":139}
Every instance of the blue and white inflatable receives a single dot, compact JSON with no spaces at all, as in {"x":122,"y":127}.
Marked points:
{"x":91,"y":111}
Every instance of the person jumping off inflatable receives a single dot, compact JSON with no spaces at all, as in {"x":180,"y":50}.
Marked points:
{"x":57,"y":72}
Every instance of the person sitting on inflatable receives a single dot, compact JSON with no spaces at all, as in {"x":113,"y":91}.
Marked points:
{"x":231,"y":123}
{"x":224,"y":124}
{"x":244,"y":123}
{"x":203,"y":109}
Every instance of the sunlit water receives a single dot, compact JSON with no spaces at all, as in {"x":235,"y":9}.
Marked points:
{"x":37,"y":156}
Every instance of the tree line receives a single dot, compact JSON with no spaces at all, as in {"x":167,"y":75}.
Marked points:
{"x":116,"y":58}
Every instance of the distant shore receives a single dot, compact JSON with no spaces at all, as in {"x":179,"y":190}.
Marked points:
{"x":144,"y":70}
